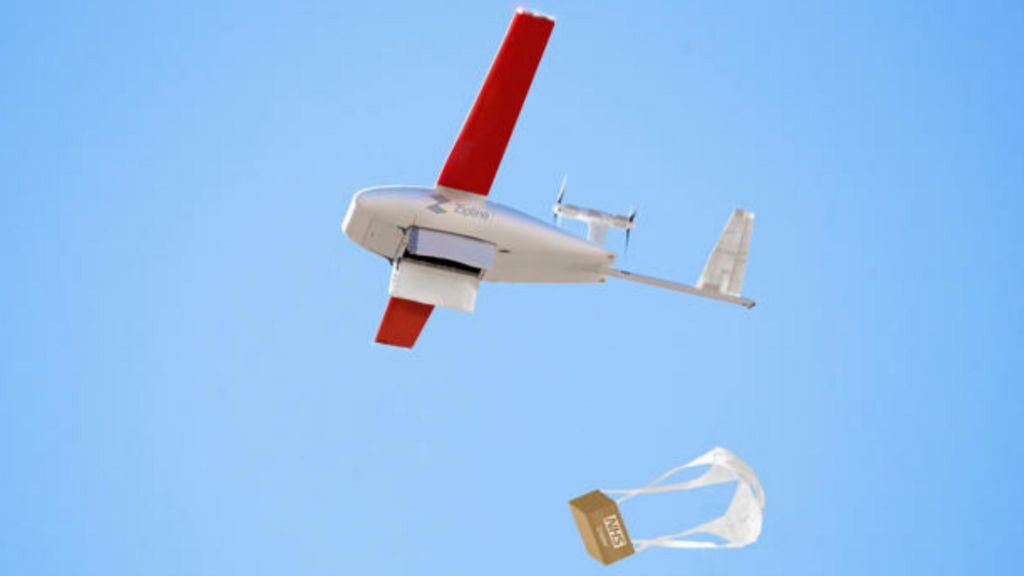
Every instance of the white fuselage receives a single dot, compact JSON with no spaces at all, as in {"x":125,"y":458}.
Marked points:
{"x":526,"y":249}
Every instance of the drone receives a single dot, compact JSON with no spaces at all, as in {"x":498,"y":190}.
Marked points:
{"x":443,"y":240}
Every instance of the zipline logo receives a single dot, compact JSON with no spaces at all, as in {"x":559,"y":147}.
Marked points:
{"x":614,"y":529}
{"x":440,"y":206}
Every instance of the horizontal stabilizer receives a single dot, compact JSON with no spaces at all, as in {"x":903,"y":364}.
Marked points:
{"x":651,"y":281}
{"x":725,"y":267}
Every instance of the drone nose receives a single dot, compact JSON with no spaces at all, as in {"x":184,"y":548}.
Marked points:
{"x":368,"y":200}
{"x":364,"y":207}
{"x":363,"y":197}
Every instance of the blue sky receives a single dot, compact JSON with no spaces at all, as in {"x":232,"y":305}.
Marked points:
{"x":186,"y":380}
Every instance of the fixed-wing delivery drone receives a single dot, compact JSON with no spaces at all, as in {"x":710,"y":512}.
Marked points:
{"x":443,"y":240}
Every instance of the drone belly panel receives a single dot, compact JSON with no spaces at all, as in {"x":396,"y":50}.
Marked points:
{"x":383,"y":237}
{"x":534,"y":252}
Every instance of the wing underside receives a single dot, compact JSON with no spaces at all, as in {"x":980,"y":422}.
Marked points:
{"x":402,"y":323}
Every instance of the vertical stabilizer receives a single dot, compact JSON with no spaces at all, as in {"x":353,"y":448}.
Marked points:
{"x":724,"y":270}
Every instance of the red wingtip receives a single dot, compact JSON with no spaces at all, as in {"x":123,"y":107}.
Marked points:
{"x":402,"y":323}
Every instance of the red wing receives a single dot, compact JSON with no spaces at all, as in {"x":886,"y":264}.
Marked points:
{"x":403,"y":320}
{"x":477,"y":153}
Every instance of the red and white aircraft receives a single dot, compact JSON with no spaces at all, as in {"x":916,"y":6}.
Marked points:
{"x":442,"y":240}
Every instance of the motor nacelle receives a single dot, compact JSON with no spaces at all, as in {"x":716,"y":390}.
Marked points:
{"x":598,"y":222}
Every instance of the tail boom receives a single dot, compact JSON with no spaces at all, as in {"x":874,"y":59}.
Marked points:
{"x":722,"y":278}
{"x":678,"y":287}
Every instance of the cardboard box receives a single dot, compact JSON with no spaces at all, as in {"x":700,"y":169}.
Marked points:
{"x":601,"y":526}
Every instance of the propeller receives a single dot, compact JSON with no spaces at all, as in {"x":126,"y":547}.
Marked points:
{"x":558,"y":201}
{"x":631,"y":218}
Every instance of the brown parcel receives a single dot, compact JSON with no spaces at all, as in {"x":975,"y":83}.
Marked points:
{"x":601,"y":526}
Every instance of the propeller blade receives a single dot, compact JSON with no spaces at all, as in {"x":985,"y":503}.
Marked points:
{"x":631,"y":218}
{"x":556,"y":217}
